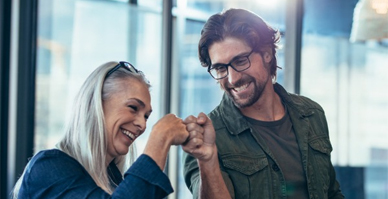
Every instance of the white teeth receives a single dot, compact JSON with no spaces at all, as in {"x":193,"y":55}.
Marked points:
{"x":238,"y":89}
{"x":130,"y":135}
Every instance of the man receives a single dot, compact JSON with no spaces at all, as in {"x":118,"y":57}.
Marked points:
{"x":269,"y":143}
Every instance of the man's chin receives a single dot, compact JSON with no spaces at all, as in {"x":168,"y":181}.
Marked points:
{"x":241,"y":104}
{"x":238,"y":102}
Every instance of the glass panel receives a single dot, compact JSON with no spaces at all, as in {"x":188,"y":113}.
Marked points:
{"x":349,"y":80}
{"x":198,"y":91}
{"x":74,"y":37}
{"x":272,"y":11}
{"x":151,"y":3}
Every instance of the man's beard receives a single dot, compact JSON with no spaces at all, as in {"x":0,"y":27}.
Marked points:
{"x":250,"y":98}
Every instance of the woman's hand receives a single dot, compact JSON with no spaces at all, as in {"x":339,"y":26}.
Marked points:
{"x":171,"y":129}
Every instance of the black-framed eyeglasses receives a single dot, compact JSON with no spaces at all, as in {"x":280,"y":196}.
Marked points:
{"x":239,"y":64}
{"x":125,"y":65}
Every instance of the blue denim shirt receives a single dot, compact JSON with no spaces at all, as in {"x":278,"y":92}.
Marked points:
{"x":54,"y":174}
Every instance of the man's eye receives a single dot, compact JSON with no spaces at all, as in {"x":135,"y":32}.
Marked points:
{"x":240,"y":61}
{"x":219,"y":68}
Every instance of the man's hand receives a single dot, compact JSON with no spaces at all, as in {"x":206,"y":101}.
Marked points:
{"x":201,"y":144}
{"x":201,"y":140}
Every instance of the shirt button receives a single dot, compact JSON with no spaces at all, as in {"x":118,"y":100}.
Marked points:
{"x":275,"y":167}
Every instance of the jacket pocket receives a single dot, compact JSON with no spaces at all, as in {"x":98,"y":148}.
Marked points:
{"x":322,"y":145}
{"x":245,"y":164}
{"x":248,"y":174}
{"x":320,"y":166}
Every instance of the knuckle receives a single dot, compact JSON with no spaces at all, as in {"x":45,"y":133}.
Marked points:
{"x":195,"y":140}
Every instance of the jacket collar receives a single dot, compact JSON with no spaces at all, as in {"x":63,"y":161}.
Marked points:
{"x":294,"y":102}
{"x":236,"y":123}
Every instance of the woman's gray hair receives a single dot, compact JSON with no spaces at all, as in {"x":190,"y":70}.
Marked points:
{"x":85,"y":138}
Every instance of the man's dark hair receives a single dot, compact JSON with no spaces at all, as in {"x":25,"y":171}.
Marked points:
{"x":241,"y":24}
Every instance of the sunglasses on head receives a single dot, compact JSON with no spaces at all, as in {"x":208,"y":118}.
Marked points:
{"x":128,"y":66}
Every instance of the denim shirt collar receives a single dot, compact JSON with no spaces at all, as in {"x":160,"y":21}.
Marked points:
{"x":115,"y":176}
{"x":236,"y":123}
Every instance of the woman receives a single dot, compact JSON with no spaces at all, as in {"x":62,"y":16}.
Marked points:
{"x":91,"y":161}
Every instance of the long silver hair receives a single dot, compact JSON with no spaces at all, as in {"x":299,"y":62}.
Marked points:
{"x":85,"y":139}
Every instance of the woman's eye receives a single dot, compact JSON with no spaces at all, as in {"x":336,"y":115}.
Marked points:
{"x":133,"y":107}
{"x":146,"y":117}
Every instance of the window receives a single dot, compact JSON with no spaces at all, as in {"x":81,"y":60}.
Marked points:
{"x":349,"y":81}
{"x":74,"y":37}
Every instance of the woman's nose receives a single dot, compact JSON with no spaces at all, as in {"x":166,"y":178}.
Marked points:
{"x":141,"y":123}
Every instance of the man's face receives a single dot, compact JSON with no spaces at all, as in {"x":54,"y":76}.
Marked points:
{"x":244,"y":88}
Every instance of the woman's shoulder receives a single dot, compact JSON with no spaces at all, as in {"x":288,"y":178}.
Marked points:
{"x":53,"y":174}
{"x":51,"y":160}
{"x":50,"y":155}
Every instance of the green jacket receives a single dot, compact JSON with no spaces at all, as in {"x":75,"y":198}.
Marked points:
{"x":248,"y":166}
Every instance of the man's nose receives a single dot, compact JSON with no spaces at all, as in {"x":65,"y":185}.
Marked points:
{"x":233,"y":75}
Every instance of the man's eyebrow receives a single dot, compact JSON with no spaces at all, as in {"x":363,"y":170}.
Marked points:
{"x":243,"y":54}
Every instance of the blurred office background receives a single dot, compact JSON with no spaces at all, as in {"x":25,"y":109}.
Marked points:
{"x":334,"y":52}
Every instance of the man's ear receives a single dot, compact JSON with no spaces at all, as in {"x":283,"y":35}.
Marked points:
{"x":267,"y":57}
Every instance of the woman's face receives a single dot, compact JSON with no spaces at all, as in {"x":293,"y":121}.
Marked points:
{"x":126,"y":113}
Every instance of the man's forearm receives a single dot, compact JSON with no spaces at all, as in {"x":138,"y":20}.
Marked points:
{"x":212,"y":185}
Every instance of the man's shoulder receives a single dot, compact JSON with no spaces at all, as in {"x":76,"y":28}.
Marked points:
{"x":296,"y":100}
{"x":216,"y":116}
{"x":216,"y":112}
{"x":303,"y":102}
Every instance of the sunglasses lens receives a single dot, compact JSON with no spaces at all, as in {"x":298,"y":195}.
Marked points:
{"x":129,"y":67}
{"x":125,"y":65}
